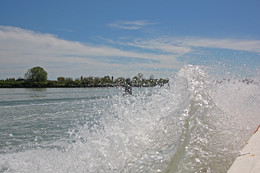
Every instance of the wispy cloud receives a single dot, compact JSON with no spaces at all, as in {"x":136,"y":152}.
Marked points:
{"x":233,"y":44}
{"x":130,"y":25}
{"x":162,"y":45}
{"x":21,"y":49}
{"x":24,"y":48}
{"x":66,"y":30}
{"x":182,"y":46}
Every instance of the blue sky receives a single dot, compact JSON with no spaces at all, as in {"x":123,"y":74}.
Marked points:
{"x":125,"y":37}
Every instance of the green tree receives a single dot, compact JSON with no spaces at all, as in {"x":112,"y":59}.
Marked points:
{"x":36,"y":74}
{"x":88,"y":80}
{"x":120,"y":81}
{"x":106,"y":80}
{"x":61,"y":79}
{"x":138,"y":80}
{"x":68,"y":81}
{"x":97,"y":81}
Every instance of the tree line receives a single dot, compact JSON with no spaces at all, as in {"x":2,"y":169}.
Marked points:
{"x":37,"y":77}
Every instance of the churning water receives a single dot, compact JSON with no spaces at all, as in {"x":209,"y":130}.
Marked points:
{"x":194,"y":124}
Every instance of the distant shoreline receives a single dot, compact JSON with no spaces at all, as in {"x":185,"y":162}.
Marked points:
{"x":89,"y":82}
{"x":73,"y":86}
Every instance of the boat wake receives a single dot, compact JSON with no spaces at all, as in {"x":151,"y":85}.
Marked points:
{"x":194,"y":124}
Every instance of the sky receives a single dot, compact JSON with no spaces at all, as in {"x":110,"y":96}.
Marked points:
{"x":122,"y":38}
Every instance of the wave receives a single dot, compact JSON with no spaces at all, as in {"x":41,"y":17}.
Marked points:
{"x":44,"y":102}
{"x":194,"y":124}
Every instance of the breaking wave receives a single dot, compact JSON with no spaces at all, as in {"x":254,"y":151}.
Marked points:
{"x":193,"y":124}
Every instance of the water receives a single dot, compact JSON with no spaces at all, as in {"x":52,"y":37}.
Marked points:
{"x":194,"y":124}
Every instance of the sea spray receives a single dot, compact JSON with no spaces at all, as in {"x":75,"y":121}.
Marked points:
{"x":193,"y":124}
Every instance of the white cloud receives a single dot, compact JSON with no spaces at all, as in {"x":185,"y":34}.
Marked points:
{"x":183,"y":46}
{"x":21,"y":49}
{"x":161,"y":45}
{"x":233,"y":44}
{"x":130,"y":25}
{"x":25,"y":49}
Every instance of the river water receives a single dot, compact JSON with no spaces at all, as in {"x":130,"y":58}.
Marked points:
{"x":194,"y":124}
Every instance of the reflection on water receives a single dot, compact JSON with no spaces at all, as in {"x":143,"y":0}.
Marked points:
{"x":36,"y":89}
{"x":36,"y":92}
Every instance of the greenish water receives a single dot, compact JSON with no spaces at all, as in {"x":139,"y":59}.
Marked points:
{"x":31,"y":117}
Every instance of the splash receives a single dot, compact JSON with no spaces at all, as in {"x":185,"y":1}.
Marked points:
{"x":194,"y":124}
